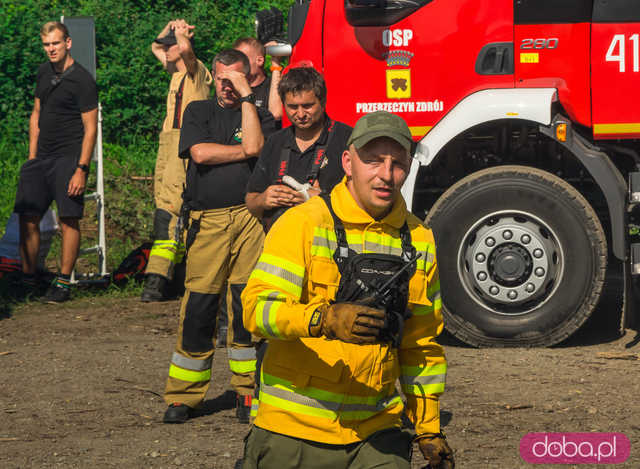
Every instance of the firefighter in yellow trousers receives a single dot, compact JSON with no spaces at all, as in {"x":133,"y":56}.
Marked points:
{"x":347,"y":292}
{"x":190,"y":81}
{"x":221,"y":137}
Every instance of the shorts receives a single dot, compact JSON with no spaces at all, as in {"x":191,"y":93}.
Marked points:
{"x":43,"y":180}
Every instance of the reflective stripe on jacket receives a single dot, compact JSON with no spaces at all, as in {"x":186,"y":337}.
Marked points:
{"x":326,"y":390}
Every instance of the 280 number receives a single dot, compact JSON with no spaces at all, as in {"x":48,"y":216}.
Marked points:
{"x":550,"y":43}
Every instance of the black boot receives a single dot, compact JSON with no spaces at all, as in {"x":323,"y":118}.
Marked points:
{"x":177,"y":413}
{"x":243,"y":408}
{"x":154,"y":288}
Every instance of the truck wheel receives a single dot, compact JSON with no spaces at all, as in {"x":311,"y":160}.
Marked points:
{"x":522,"y":257}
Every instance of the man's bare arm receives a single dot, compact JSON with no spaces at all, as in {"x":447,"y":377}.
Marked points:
{"x":252,"y":138}
{"x":34,"y":129}
{"x":254,"y":205}
{"x":216,"y":153}
{"x":90,"y":124}
{"x":184,"y":32}
{"x":78,"y":181}
{"x":275,"y":103}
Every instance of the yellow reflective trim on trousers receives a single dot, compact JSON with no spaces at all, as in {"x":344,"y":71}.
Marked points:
{"x":255,"y":403}
{"x":248,"y":366}
{"x":167,"y":249}
{"x":189,"y":375}
{"x":269,"y":302}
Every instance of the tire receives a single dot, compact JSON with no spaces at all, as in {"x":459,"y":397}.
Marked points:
{"x":522,"y":257}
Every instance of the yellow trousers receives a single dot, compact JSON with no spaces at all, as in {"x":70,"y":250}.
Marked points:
{"x":225,"y":249}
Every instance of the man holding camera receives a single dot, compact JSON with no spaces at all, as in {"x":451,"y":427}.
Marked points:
{"x":62,"y":134}
{"x":220,"y":138}
{"x":347,"y":292}
{"x":190,"y":81}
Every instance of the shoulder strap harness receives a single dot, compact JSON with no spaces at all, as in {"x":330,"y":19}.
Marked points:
{"x":318,"y":158}
{"x":343,"y":251}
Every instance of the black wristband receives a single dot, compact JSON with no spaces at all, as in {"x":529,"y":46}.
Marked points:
{"x":84,"y":167}
{"x":250,"y":98}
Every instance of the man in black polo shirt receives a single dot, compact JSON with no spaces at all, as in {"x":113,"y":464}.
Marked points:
{"x":309,"y":151}
{"x":221,"y":137}
{"x":62,"y":133}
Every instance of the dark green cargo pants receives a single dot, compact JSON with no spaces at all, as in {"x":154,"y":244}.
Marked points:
{"x":387,"y":449}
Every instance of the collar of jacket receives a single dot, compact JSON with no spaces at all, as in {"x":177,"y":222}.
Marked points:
{"x":349,"y":211}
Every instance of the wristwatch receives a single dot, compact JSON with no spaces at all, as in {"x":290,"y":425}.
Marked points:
{"x":84,"y":167}
{"x":250,"y":98}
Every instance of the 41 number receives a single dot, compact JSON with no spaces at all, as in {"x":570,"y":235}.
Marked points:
{"x":617,"y":53}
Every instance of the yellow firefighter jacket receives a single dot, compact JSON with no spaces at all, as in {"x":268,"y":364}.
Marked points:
{"x":326,"y":390}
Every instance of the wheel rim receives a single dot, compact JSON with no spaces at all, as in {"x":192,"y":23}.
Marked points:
{"x":510,"y":262}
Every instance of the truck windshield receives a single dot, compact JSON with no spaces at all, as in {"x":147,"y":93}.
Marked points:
{"x":380,"y":12}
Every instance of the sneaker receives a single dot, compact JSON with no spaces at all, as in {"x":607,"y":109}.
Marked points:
{"x":154,"y":288}
{"x":56,"y":294}
{"x":243,"y":408}
{"x":177,"y":413}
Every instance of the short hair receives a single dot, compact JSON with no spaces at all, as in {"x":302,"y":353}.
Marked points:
{"x":303,"y":79}
{"x":253,"y":42}
{"x":51,"y":26}
{"x":230,"y":57}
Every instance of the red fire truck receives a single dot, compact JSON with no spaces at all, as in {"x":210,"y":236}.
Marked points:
{"x":526,"y":119}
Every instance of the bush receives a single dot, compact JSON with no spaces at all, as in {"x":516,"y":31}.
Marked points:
{"x":132,"y":88}
{"x":131,"y":82}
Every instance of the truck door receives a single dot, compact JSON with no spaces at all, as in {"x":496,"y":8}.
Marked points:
{"x":615,"y":69}
{"x":414,"y":58}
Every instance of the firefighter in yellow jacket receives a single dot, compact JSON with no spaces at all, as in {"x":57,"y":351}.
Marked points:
{"x":347,"y":292}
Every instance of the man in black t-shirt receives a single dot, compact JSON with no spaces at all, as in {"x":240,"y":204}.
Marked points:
{"x":309,"y":151}
{"x":265,"y":87}
{"x":62,"y":134}
{"x":221,"y":138}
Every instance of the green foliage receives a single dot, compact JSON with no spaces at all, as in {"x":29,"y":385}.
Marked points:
{"x":131,"y":82}
{"x":132,"y":89}
{"x":12,"y":155}
{"x":128,"y":202}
